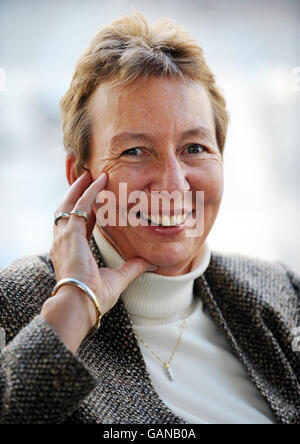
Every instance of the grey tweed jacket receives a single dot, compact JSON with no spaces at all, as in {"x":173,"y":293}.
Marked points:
{"x":256,"y":305}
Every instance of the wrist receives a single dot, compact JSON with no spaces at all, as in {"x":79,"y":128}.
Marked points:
{"x":71,"y":314}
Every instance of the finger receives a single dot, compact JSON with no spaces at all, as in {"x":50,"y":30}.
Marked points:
{"x":85,"y":203}
{"x":75,"y":191}
{"x":131,"y":270}
{"x":90,"y":224}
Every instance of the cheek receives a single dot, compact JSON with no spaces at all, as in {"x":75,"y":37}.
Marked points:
{"x":134,"y":179}
{"x":134,"y":176}
{"x":210,"y":180}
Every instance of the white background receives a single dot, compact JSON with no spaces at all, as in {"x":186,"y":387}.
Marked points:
{"x":252,"y":46}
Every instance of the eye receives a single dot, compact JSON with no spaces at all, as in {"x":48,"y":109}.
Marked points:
{"x":131,"y":152}
{"x":195,"y":148}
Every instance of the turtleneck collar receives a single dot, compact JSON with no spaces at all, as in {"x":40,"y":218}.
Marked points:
{"x":154,"y":299}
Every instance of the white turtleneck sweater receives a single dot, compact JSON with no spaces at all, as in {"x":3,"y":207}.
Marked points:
{"x":210,"y":385}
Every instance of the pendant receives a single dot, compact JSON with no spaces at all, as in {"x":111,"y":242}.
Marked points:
{"x":169,"y":371}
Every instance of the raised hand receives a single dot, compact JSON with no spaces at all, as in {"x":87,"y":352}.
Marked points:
{"x":70,"y":312}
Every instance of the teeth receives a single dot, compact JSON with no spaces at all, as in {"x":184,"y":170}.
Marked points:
{"x":180,"y":219}
{"x":155,"y":219}
{"x":165,"y":220}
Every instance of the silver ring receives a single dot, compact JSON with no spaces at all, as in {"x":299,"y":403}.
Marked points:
{"x":81,"y":214}
{"x":61,"y":215}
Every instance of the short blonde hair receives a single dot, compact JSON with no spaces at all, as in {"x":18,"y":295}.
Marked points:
{"x":124,"y":51}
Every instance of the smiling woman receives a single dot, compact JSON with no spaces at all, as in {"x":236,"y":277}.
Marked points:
{"x":145,"y":324}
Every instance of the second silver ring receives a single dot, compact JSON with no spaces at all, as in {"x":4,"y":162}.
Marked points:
{"x":83,"y":214}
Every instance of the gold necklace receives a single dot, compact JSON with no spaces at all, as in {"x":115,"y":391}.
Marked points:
{"x":166,"y":364}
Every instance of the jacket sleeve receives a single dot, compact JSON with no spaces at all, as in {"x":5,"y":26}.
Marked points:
{"x":295,"y":281}
{"x":41,"y":380}
{"x":290,"y":308}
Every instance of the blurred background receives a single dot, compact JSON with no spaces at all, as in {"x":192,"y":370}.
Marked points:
{"x":252,"y":46}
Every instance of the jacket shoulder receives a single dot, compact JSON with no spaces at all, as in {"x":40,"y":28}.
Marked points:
{"x":269,"y":282}
{"x":248,"y":269}
{"x":25,"y":285}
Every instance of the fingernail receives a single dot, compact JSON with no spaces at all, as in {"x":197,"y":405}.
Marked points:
{"x":80,"y":177}
{"x":102,"y":175}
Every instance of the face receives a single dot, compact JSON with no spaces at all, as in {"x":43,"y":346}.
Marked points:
{"x":157,"y":136}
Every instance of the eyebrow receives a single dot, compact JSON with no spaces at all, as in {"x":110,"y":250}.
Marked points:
{"x":128,"y":136}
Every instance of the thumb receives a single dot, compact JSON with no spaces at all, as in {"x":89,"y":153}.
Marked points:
{"x":131,"y":270}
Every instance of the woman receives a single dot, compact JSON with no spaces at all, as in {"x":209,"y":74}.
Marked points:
{"x":145,"y":324}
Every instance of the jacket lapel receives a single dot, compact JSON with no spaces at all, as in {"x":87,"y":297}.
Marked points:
{"x":251,"y":329}
{"x":125,"y":393}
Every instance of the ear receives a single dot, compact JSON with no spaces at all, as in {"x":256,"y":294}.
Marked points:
{"x":70,"y":169}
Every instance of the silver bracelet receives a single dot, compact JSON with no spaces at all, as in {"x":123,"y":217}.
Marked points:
{"x":90,"y":294}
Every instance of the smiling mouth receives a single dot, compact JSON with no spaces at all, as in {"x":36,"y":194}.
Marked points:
{"x":164,"y":220}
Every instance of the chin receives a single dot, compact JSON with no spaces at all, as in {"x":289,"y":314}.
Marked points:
{"x":167,"y":257}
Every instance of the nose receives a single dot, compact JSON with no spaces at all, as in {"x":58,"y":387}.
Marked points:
{"x":170,"y":175}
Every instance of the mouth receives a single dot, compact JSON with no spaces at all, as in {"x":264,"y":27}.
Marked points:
{"x":164,"y":220}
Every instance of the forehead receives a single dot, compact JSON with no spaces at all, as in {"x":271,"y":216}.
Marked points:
{"x":159,"y":104}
